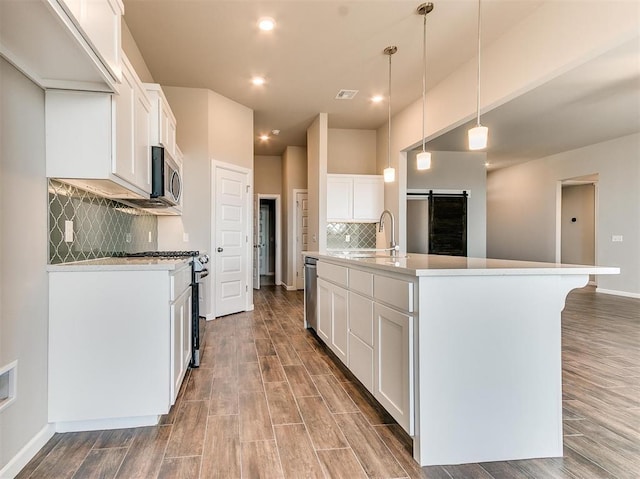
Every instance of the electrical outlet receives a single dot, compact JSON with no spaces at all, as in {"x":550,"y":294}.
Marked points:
{"x":127,"y":237}
{"x":185,"y":237}
{"x":347,"y":238}
{"x":617,"y":238}
{"x":68,"y":231}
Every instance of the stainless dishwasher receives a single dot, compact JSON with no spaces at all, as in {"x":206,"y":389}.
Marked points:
{"x":310,"y":292}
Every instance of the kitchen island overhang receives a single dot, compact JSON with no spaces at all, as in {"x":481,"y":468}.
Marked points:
{"x":485,"y":365}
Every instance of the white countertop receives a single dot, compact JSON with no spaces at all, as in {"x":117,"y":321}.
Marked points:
{"x":439,"y":265}
{"x":121,"y":264}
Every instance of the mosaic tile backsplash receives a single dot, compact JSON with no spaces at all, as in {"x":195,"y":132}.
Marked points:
{"x":101,"y":226}
{"x":362,"y":235}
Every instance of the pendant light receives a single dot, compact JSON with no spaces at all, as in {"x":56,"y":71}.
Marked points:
{"x":478,"y":134}
{"x":389,"y":172}
{"x":423,"y":159}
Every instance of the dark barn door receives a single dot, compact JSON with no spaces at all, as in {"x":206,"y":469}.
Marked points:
{"x":448,"y":224}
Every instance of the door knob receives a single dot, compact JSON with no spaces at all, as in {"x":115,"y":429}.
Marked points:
{"x":220,"y":250}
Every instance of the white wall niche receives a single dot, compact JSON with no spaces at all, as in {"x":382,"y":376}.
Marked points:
{"x":8,"y":384}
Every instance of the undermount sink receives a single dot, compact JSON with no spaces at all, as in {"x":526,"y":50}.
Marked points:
{"x":364,"y":254}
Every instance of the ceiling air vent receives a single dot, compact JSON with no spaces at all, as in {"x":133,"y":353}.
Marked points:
{"x":346,"y":94}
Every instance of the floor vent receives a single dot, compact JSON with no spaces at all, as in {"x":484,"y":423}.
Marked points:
{"x":8,"y":384}
{"x":346,"y":94}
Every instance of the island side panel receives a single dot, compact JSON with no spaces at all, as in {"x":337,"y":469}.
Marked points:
{"x":488,"y":367}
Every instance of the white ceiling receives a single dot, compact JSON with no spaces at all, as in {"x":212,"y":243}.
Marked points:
{"x":322,"y":46}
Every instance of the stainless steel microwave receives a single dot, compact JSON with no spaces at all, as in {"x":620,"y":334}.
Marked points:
{"x":166,"y":181}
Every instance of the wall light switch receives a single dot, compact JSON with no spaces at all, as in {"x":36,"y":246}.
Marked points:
{"x":185,"y":237}
{"x":617,"y":238}
{"x":68,"y":231}
{"x":150,"y":238}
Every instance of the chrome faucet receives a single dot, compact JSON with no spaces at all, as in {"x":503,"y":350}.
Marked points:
{"x":392,"y":245}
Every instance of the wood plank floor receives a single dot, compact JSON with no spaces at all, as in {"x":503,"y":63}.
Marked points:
{"x":269,"y":401}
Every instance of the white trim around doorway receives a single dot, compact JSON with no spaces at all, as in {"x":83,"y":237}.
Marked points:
{"x":263,"y":196}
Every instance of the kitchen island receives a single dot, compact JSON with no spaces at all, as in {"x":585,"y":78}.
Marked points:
{"x":465,"y":353}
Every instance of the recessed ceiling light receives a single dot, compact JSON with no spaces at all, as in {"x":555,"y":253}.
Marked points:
{"x":266,"y":24}
{"x":487,"y":164}
{"x":258,"y":81}
{"x":377,"y":98}
{"x":264,"y":137}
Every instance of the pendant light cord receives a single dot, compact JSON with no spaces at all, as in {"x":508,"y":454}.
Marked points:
{"x":389,"y":139}
{"x":478,"y":82}
{"x":424,"y":80}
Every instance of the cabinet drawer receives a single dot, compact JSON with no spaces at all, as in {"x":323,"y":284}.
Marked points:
{"x":180,"y":281}
{"x":335,"y":274}
{"x":361,"y":361}
{"x":361,"y":317}
{"x":394,"y":292}
{"x":361,"y":282}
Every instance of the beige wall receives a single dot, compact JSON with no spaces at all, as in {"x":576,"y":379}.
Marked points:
{"x":23,"y":258}
{"x":230,"y":131}
{"x":523,"y":204}
{"x":294,"y":176}
{"x":351,"y":151}
{"x":132,"y":51}
{"x":267,"y":175}
{"x":317,"y":182}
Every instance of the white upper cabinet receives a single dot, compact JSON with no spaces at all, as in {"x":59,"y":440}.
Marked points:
{"x":69,"y":44}
{"x":163,"y":122}
{"x":100,"y":22}
{"x":99,"y":141}
{"x":354,"y":198}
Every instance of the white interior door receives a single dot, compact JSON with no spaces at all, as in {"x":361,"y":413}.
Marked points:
{"x":256,"y":242}
{"x":263,"y":238}
{"x":302,"y":227}
{"x":231,"y":236}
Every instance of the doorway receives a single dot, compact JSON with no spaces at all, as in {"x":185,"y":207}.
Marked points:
{"x":267,"y":248}
{"x":231,"y":213}
{"x":578,"y":221}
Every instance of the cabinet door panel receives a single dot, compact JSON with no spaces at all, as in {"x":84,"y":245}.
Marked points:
{"x":324,"y":310}
{"x":394,"y":367}
{"x":142,"y":141}
{"x":340,"y":323}
{"x":368,"y":198}
{"x":176,"y":346}
{"x":124,"y":104}
{"x":339,"y":198}
{"x":361,"y":317}
{"x":361,"y":361}
{"x":186,"y":330}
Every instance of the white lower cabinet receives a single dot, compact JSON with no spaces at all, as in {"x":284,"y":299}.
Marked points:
{"x":119,"y":345}
{"x":180,"y":341}
{"x":393,"y":348}
{"x":333,"y":317}
{"x":369,"y":325}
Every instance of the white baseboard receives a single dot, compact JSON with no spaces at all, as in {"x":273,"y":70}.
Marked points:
{"x":103,"y":424}
{"x":17,"y":462}
{"x":289,"y":288}
{"x":618,"y":293}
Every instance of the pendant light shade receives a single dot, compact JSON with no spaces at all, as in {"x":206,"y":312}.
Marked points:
{"x":389,"y":175}
{"x":478,"y":135}
{"x":389,"y":172}
{"x":423,"y":160}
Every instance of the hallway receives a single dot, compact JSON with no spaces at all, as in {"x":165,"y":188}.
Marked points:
{"x":270,"y":401}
